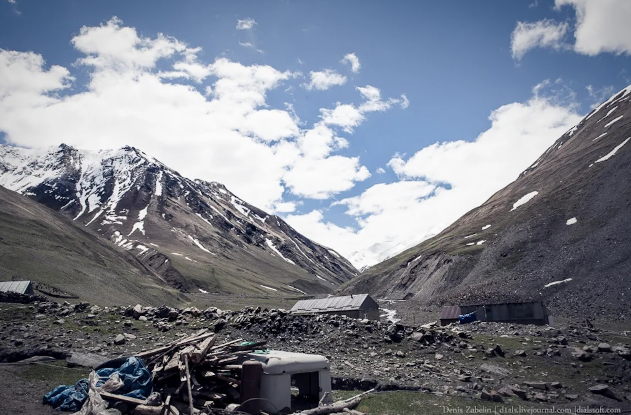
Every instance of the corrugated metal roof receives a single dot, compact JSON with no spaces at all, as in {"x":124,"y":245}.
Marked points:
{"x":319,"y":305}
{"x":450,"y":312}
{"x":16,"y":286}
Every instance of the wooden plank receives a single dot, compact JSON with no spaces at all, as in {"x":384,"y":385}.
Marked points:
{"x":113,"y":396}
{"x":172,"y":345}
{"x":188,"y":385}
{"x":202,"y":350}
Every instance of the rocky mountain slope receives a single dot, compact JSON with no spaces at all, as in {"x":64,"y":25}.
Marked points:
{"x":198,"y":236}
{"x":560,"y":233}
{"x":39,"y":244}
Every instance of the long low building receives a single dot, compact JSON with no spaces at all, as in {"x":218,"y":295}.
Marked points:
{"x":533,"y":312}
{"x":22,"y":287}
{"x":355,"y":306}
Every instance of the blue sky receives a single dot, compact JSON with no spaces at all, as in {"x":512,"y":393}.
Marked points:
{"x":368,"y":125}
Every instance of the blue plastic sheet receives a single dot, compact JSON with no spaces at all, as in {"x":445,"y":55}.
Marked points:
{"x":467,"y":318}
{"x":137,"y":383}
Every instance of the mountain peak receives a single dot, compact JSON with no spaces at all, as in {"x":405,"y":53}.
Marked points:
{"x":196,"y":234}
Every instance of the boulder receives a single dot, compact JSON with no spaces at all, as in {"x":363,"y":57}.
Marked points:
{"x":120,"y":339}
{"x":604,"y":348}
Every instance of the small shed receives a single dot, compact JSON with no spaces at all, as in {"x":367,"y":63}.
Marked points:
{"x":21,"y":287}
{"x":355,"y":306}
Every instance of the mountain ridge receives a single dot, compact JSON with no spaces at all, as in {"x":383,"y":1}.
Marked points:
{"x":558,"y":233}
{"x":196,"y":234}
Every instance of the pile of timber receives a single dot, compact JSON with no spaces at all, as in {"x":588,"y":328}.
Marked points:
{"x":195,"y":375}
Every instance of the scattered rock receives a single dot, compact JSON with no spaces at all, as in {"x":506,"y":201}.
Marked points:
{"x":120,"y":339}
{"x":492,"y":396}
{"x":496,"y":370}
{"x":604,"y":390}
{"x":604,"y":348}
{"x":537,"y":385}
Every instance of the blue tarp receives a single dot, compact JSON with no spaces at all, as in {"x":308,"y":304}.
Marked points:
{"x":467,"y":318}
{"x":133,"y":373}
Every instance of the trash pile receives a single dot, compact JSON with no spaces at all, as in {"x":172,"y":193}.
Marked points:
{"x":190,"y":375}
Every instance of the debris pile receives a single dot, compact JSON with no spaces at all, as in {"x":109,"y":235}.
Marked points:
{"x":194,"y":375}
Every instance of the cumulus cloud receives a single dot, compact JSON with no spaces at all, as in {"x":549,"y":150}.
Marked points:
{"x":245,"y":24}
{"x":349,"y":116}
{"x":323,"y":80}
{"x":441,"y":182}
{"x":352,"y":60}
{"x":208,"y":120}
{"x":601,"y":26}
{"x":544,"y":34}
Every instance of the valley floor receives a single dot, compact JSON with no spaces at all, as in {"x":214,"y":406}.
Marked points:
{"x":418,"y":369}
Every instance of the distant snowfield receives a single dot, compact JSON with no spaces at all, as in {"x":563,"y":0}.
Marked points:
{"x":524,"y":199}
{"x":571,"y":221}
{"x":268,"y":288}
{"x":486,"y":227}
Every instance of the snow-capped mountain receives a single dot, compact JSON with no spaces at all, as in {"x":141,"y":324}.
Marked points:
{"x":561,"y":232}
{"x":196,"y":234}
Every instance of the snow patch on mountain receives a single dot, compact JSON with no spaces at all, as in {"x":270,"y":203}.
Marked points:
{"x":557,"y":283}
{"x":196,"y":242}
{"x":273,"y":248}
{"x":158,"y":191}
{"x":612,"y":152}
{"x":613,"y":121}
{"x":524,"y":199}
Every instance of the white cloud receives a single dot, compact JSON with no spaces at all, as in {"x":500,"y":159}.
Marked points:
{"x":602,"y":26}
{"x":220,"y":127}
{"x":352,"y":60}
{"x":322,"y":178}
{"x":405,"y":102}
{"x":598,"y":95}
{"x":323,"y":80}
{"x":343,"y":115}
{"x":251,"y":46}
{"x":380,"y":170}
{"x":11,"y":1}
{"x":441,"y":182}
{"x":245,"y":24}
{"x":544,"y":33}
{"x":348,"y":116}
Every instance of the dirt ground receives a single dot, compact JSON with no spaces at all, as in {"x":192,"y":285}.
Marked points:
{"x":22,"y":387}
